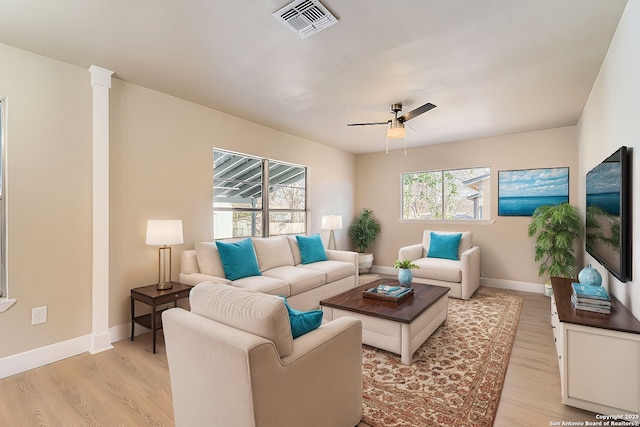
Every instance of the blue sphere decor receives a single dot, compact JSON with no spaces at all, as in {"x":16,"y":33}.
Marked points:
{"x":405,"y":276}
{"x":590,"y":276}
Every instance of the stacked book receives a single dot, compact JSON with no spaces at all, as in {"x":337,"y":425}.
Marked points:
{"x":590,"y":298}
{"x":388,"y":292}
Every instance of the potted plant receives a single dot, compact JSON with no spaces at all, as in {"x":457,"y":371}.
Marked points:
{"x":556,"y":228}
{"x":405,"y":276}
{"x":363,"y":231}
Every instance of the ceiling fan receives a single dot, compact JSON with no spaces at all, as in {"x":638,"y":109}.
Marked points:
{"x":396,"y":125}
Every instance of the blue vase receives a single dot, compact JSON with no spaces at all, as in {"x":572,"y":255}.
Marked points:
{"x":405,"y":276}
{"x":590,"y":276}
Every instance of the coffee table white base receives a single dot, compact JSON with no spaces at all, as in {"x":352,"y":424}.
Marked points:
{"x":394,"y":336}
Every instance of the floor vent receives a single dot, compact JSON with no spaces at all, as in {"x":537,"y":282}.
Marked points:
{"x":305,"y":17}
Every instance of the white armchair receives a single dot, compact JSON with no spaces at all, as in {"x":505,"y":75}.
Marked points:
{"x":461,"y":275}
{"x":233,"y":362}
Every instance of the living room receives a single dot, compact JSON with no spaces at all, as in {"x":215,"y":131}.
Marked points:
{"x":160,"y":167}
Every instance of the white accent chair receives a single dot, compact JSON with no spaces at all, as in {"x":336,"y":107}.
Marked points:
{"x":233,"y":362}
{"x":462,"y":275}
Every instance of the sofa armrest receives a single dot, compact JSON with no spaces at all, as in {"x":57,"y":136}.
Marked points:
{"x":346,"y":256}
{"x":189,"y":262}
{"x":412,"y":252}
{"x":197,"y":278}
{"x":325,"y":363}
{"x":195,"y":367}
{"x":470,"y":260}
{"x":324,"y":335}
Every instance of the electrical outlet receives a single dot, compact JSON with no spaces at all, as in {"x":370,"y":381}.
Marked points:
{"x":38,"y":315}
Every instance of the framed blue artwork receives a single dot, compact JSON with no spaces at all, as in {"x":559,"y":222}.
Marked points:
{"x":520,"y":192}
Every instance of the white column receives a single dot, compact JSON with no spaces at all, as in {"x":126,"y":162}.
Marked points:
{"x":100,"y":336}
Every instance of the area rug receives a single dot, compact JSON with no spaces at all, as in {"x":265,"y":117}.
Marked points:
{"x":366,"y":278}
{"x":456,"y":376}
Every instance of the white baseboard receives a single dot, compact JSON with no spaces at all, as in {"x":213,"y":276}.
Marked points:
{"x":381,"y":269}
{"x":22,"y":362}
{"x":35,"y":358}
{"x":536,"y":288}
{"x":484,"y":281}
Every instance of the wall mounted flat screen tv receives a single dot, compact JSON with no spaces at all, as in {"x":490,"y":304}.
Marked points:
{"x":608,"y":213}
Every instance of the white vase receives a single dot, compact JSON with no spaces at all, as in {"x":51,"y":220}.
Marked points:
{"x":548,"y":290}
{"x":365,"y":261}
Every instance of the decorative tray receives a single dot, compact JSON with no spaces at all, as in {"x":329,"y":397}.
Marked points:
{"x":388,"y":293}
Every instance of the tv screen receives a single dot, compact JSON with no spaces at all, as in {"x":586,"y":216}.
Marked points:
{"x":608,"y":219}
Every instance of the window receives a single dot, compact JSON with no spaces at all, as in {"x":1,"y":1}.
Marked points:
{"x":242,"y":207}
{"x":455,"y":194}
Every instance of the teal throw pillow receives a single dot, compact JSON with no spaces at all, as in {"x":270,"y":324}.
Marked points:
{"x":238,"y":259}
{"x":444,"y":245}
{"x":303,"y":321}
{"x":311,"y":249}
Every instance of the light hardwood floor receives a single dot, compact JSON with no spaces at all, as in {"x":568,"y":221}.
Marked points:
{"x":129,"y":386}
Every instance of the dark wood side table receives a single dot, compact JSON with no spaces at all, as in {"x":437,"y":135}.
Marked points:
{"x":152,"y":297}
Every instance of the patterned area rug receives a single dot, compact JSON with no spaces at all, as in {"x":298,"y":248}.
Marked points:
{"x":366,"y":278}
{"x":455,"y":378}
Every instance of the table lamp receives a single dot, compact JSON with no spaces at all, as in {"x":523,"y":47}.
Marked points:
{"x":163,"y":232}
{"x":331,"y":222}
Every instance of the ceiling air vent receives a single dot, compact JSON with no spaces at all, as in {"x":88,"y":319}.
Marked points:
{"x":306,"y":17}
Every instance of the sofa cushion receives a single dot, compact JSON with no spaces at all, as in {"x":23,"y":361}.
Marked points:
{"x":303,"y":322}
{"x":299,"y":279}
{"x":208,"y":258}
{"x":273,"y":252}
{"x":253,"y":312}
{"x":465,"y":242}
{"x":295,"y":250}
{"x":265,"y":284}
{"x":438,"y":269}
{"x":333,"y":270}
{"x":238,"y":259}
{"x":311,"y":249}
{"x":444,"y":245}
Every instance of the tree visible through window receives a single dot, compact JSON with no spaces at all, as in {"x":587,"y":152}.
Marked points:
{"x":241,"y":207}
{"x":447,"y":194}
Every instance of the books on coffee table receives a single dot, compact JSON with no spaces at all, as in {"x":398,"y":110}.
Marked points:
{"x":590,"y":298}
{"x":386,"y":292}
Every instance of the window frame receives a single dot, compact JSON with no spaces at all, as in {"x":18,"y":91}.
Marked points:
{"x":264,"y":210}
{"x":443,"y":220}
{"x":5,"y":301}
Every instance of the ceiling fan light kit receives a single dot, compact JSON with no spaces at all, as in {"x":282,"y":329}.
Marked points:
{"x":396,"y":129}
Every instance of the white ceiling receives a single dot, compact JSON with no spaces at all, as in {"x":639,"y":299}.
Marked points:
{"x":492,"y":67}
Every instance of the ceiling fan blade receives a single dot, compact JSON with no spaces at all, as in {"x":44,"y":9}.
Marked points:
{"x":367,"y":124}
{"x":415,"y":113}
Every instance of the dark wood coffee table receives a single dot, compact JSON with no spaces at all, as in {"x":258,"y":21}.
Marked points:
{"x":401,"y":327}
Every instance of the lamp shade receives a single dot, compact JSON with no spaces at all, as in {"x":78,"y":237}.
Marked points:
{"x":331,"y":222}
{"x":164,"y":232}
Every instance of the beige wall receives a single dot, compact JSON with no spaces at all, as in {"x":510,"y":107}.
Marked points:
{"x":48,"y":194}
{"x":610,"y":120}
{"x":506,"y":249}
{"x":161,"y":168}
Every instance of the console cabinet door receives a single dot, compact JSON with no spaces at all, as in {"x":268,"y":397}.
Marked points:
{"x":602,"y":369}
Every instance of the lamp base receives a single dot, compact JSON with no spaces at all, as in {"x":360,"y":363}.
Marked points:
{"x":163,"y":286}
{"x":332,"y":241}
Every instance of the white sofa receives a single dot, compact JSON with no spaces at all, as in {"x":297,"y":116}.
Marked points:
{"x":283,"y":273}
{"x":462,"y":276}
{"x":233,"y":362}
